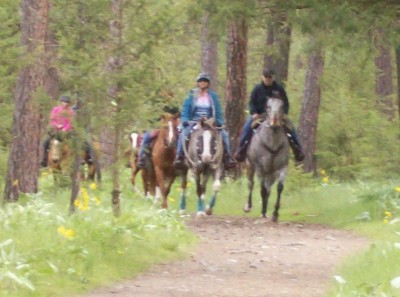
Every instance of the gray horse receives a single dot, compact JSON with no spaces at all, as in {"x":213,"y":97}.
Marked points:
{"x":268,"y":156}
{"x":204,"y":158}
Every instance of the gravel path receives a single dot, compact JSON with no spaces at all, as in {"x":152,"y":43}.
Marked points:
{"x":247,"y":257}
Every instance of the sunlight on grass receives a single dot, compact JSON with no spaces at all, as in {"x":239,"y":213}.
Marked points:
{"x":46,"y":252}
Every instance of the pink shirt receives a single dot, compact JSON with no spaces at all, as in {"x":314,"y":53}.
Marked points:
{"x":61,"y":118}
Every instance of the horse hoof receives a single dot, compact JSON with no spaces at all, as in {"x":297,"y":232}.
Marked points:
{"x":209,"y":211}
{"x":200,"y":214}
{"x":246,"y":208}
{"x":275,"y":219}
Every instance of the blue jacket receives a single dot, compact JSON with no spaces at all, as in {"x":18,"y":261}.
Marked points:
{"x":188,"y":107}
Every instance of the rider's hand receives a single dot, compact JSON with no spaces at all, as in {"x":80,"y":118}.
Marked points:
{"x":255,"y":116}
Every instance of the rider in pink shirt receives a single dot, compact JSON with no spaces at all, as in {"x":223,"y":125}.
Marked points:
{"x":61,"y":118}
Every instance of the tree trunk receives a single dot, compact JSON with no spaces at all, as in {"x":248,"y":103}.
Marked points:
{"x":278,"y":46}
{"x":310,"y":107}
{"x":23,"y":162}
{"x":383,"y":77}
{"x":209,"y":53}
{"x":398,"y":78}
{"x":236,"y":79}
{"x":114,"y":67}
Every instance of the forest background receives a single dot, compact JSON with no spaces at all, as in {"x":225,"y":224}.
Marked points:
{"x":124,"y":60}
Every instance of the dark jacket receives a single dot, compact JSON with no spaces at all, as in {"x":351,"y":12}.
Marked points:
{"x":261,"y":92}
{"x":189,"y":104}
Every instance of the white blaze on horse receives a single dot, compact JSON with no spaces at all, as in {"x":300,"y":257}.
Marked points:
{"x":203,"y":156}
{"x":268,"y":156}
{"x":163,"y":154}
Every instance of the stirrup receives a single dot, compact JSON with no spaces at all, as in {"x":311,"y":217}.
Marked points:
{"x":141,"y":162}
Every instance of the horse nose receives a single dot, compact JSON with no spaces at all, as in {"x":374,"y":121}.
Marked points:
{"x":206,"y":158}
{"x":275,"y":122}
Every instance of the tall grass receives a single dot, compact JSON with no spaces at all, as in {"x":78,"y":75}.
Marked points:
{"x":46,"y":252}
{"x":371,"y":209}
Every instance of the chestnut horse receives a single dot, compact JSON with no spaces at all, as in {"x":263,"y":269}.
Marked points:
{"x":204,"y":158}
{"x":268,"y":156}
{"x":163,"y":155}
{"x":147,"y":173}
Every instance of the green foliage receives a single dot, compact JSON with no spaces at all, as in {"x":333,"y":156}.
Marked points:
{"x":45,"y":252}
{"x":9,"y":62}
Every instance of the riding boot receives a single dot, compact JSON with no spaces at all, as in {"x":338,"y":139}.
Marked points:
{"x":144,"y":148}
{"x":141,"y":162}
{"x":229,"y":161}
{"x":43,"y":163}
{"x":240,"y":154}
{"x":46,"y":146}
{"x":179,"y":161}
{"x":89,"y":153}
{"x":297,"y":151}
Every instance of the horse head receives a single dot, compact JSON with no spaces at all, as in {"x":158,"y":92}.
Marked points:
{"x":55,"y":150}
{"x":209,"y":142}
{"x":169,"y":129}
{"x":274,"y":112}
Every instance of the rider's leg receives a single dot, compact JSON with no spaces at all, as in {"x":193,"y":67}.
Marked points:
{"x":183,"y":135}
{"x":228,"y":159}
{"x":46,"y":146}
{"x":294,"y":141}
{"x":245,"y":136}
{"x":89,"y":151}
{"x":141,"y":162}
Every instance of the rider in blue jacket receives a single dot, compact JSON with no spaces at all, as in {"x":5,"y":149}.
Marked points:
{"x":202,"y":102}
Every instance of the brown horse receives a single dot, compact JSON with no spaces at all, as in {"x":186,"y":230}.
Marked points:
{"x":60,"y":159}
{"x":147,"y":173}
{"x":163,"y":155}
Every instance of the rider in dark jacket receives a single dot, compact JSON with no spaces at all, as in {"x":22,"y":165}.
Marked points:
{"x":258,"y":99}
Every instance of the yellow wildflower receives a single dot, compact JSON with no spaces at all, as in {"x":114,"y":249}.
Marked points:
{"x":325,"y":180}
{"x":323,"y":172}
{"x":97,"y":200}
{"x":45,"y":173}
{"x":93,"y":186}
{"x":67,"y":233}
{"x":397,"y":189}
{"x":388,"y":214}
{"x":171,"y":199}
{"x":385,"y":221}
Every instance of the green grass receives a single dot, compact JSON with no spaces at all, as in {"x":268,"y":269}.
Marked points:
{"x":40,"y":256}
{"x":46,"y":252}
{"x":371,"y":209}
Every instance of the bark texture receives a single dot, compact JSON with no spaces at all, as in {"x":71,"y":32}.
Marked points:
{"x":383,"y":76}
{"x":209,"y":53}
{"x":310,"y":108}
{"x":23,"y":162}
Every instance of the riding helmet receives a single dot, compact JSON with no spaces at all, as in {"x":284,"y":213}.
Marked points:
{"x":65,"y":98}
{"x":267,"y":72}
{"x":203,"y":77}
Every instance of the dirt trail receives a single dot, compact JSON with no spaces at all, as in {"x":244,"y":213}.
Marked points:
{"x":248,"y":257}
